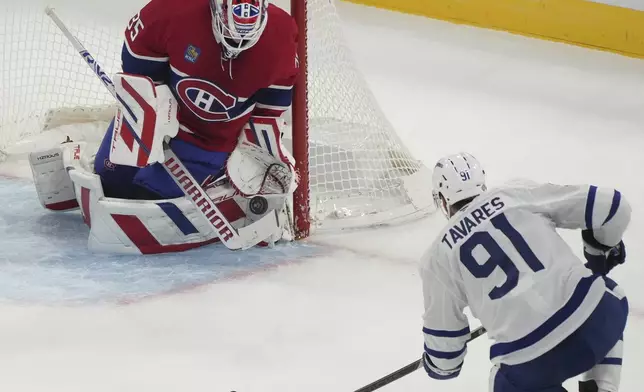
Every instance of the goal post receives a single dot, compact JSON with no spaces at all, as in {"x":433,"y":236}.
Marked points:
{"x":354,"y":169}
{"x":300,"y":122}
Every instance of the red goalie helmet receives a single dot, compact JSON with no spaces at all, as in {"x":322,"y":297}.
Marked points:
{"x":238,"y":24}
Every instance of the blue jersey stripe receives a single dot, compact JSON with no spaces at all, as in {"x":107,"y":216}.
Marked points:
{"x":617,"y":198}
{"x":179,"y":219}
{"x":611,"y":361}
{"x":433,"y":374}
{"x":158,"y":71}
{"x":444,"y":354}
{"x":590,"y":205}
{"x":274,"y":97}
{"x":447,"y":334}
{"x":577,"y":298}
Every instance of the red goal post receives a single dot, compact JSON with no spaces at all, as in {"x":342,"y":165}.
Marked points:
{"x":300,"y":122}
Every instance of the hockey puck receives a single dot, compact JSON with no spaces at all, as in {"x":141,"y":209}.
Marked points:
{"x":258,"y":205}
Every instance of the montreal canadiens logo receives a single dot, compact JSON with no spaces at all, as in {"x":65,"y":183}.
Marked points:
{"x":206,"y":100}
{"x":245,"y":15}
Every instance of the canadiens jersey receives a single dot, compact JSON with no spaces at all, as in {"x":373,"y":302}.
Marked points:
{"x":502,"y":256}
{"x":172,"y":42}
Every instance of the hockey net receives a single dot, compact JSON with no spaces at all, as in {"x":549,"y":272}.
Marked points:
{"x":356,"y":171}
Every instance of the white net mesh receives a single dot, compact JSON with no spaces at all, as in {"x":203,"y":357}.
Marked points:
{"x":360,"y":172}
{"x":40,"y":72}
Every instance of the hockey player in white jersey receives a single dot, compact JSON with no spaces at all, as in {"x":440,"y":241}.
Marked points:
{"x":550,"y":317}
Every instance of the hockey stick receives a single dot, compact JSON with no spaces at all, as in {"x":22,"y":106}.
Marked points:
{"x":402,"y":372}
{"x":232,"y":238}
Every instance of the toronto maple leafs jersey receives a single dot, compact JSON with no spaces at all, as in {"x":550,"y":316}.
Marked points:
{"x":502,"y":256}
{"x":172,"y":42}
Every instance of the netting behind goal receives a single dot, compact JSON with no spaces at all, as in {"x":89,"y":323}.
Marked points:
{"x":360,"y":172}
{"x":41,"y":73}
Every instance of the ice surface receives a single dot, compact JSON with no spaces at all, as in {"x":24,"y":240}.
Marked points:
{"x":45,"y":259}
{"x":349,"y":310}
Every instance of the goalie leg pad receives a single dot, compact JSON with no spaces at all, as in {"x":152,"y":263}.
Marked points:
{"x":126,"y":226}
{"x":53,"y":185}
{"x":152,"y":227}
{"x":134,"y":226}
{"x":50,"y":173}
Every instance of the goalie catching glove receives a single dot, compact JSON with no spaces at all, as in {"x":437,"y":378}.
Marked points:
{"x":260,"y":168}
{"x":260,"y":165}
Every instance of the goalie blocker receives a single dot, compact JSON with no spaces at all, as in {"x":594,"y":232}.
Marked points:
{"x":260,"y":178}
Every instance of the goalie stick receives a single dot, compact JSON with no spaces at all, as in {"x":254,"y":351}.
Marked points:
{"x":234,"y":239}
{"x":402,"y":372}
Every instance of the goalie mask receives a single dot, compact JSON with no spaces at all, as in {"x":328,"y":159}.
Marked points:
{"x":456,"y":178}
{"x":238,"y":24}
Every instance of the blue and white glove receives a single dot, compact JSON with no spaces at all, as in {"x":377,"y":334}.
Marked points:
{"x":439,"y":374}
{"x":602,"y":259}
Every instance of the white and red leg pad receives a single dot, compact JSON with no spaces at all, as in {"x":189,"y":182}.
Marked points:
{"x":155,"y":226}
{"x":49,"y":169}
